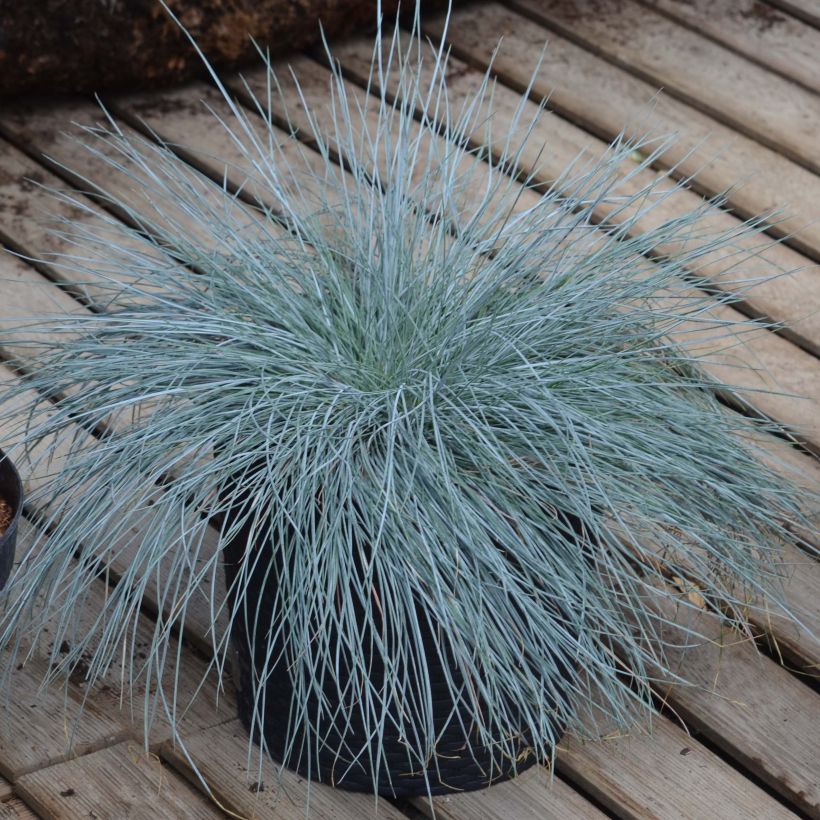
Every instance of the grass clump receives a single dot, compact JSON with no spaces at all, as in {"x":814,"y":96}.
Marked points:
{"x":463,"y":411}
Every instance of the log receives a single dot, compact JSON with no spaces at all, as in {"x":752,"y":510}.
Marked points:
{"x":87,"y":46}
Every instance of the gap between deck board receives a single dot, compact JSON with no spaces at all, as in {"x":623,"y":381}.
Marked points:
{"x":806,"y":10}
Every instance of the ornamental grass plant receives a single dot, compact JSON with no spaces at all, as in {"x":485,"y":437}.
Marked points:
{"x":436,"y":428}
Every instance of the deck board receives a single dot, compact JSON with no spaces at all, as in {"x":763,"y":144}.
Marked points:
{"x":33,"y":127}
{"x":757,"y":31}
{"x":751,"y":708}
{"x":221,"y":755}
{"x":534,"y":795}
{"x":28,"y":210}
{"x":799,"y":648}
{"x":51,"y":726}
{"x":761,"y":717}
{"x":667,"y":775}
{"x":606,"y":100}
{"x":703,"y":74}
{"x":117,"y":782}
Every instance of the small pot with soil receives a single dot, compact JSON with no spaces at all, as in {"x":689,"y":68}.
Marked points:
{"x":11,"y":505}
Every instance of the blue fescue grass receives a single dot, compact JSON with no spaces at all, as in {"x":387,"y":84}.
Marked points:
{"x":452,"y":374}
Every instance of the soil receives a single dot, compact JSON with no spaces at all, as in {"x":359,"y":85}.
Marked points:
{"x":6,"y":514}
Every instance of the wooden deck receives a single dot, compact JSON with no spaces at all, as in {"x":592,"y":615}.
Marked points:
{"x":743,"y":76}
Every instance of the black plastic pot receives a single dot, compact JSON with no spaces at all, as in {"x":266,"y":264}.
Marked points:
{"x":11,"y":489}
{"x":459,"y":764}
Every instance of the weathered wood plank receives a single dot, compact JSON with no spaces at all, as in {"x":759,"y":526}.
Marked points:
{"x":41,"y":729}
{"x":16,"y":809}
{"x":221,"y":755}
{"x":798,"y":648}
{"x":756,"y":30}
{"x":183,"y":118}
{"x":36,"y":727}
{"x":534,"y":795}
{"x":120,"y":781}
{"x":52,"y":725}
{"x":27,"y":293}
{"x":667,"y":774}
{"x":46,"y":132}
{"x":556,"y":143}
{"x":606,"y":100}
{"x":749,"y":706}
{"x":28,"y":211}
{"x":733,"y":90}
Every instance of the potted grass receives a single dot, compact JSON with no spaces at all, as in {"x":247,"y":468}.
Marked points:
{"x":453,"y":449}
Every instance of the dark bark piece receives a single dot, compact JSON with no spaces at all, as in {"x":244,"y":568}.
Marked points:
{"x":61,"y":46}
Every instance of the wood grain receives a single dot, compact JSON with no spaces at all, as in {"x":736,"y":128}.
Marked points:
{"x":29,"y":215}
{"x":703,"y":74}
{"x":533,"y":795}
{"x":799,"y":648}
{"x":605,"y":99}
{"x":73,"y":719}
{"x":36,"y":727}
{"x":6,"y":790}
{"x":117,"y":782}
{"x":221,"y":756}
{"x":665,"y":775}
{"x":746,"y":704}
{"x":806,"y":10}
{"x":16,"y":809}
{"x":48,"y":130}
{"x":757,"y":31}
{"x":186,"y":118}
